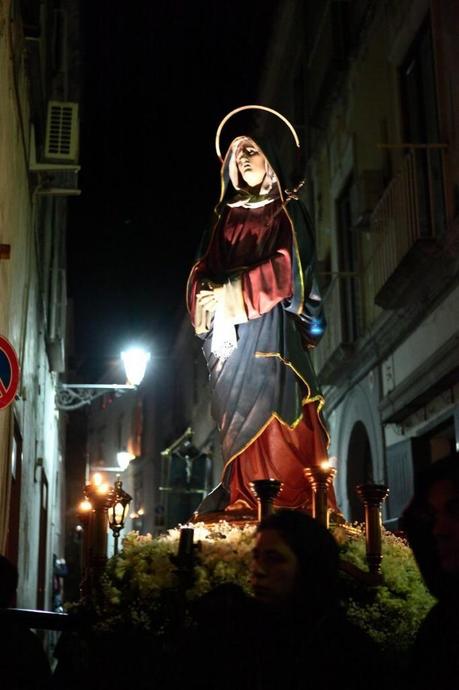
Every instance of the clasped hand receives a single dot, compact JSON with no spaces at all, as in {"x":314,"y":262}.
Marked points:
{"x":208,"y":297}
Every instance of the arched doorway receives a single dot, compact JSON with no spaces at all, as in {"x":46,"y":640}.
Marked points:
{"x":359,"y":469}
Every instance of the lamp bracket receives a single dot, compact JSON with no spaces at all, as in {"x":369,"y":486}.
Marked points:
{"x":72,"y":396}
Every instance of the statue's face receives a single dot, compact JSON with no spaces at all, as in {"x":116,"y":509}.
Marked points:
{"x":251,"y":163}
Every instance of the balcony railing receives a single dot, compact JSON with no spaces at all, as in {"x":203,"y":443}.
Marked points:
{"x":409,"y":216}
{"x":405,"y":225}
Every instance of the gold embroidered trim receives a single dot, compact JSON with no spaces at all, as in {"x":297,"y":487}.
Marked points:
{"x":307,"y":399}
{"x":293,"y":426}
{"x":260,"y":355}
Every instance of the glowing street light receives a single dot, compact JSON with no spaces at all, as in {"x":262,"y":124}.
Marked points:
{"x":118,"y":511}
{"x":72,"y":396}
{"x":135,"y":362}
{"x":123,"y":458}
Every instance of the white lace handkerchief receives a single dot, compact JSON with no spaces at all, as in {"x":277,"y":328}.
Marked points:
{"x":229,"y":311}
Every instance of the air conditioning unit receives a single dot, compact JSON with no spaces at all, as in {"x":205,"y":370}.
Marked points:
{"x":62,"y":131}
{"x":59,"y":176}
{"x":365,"y":194}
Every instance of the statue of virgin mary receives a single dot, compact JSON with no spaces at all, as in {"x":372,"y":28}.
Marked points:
{"x":254,"y":301}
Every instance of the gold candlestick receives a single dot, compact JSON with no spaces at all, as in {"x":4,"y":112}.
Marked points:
{"x":320,"y":477}
{"x":372,"y":496}
{"x":266,"y":491}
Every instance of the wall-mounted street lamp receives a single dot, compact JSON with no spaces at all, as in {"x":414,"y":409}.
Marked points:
{"x":118,"y":511}
{"x":124,"y":457}
{"x":135,"y":362}
{"x":72,"y":396}
{"x":102,"y":503}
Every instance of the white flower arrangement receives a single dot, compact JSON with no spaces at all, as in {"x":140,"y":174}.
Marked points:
{"x":141,"y":586}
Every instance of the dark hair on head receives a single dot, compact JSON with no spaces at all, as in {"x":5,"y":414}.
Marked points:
{"x":446,"y":468}
{"x":315,"y":548}
{"x":416,"y":523}
{"x":8,"y":581}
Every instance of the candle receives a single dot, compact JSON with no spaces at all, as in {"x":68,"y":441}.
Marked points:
{"x":186,"y":542}
{"x":320,"y":478}
{"x":372,"y":495}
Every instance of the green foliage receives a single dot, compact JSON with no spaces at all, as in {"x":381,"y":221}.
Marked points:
{"x":392,"y":612}
{"x":141,"y":587}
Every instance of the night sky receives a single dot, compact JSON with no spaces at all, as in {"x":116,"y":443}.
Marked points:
{"x":157,"y":78}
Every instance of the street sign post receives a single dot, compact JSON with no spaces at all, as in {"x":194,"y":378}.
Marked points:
{"x":9,"y":372}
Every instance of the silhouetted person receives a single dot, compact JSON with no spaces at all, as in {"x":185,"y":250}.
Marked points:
{"x":431,"y":523}
{"x":307,"y":641}
{"x":23,"y":662}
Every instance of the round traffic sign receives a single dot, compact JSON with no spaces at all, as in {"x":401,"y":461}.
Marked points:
{"x":9,"y":372}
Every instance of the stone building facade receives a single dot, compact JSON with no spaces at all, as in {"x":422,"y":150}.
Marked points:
{"x":371,"y":88}
{"x":38,"y":65}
